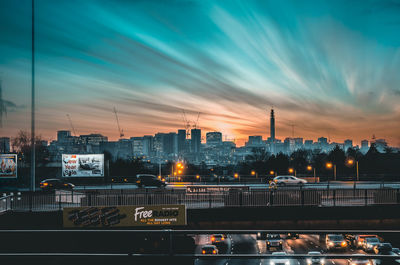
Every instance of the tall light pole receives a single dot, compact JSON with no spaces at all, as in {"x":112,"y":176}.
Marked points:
{"x":329,"y":165}
{"x":350,"y":162}
{"x":309,"y":168}
{"x":33,"y":158}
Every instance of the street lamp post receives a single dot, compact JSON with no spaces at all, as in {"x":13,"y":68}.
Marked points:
{"x":291,"y":171}
{"x":350,"y":162}
{"x":309,"y":168}
{"x":329,"y":166}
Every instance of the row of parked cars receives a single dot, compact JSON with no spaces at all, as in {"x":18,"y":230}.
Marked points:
{"x":141,"y":180}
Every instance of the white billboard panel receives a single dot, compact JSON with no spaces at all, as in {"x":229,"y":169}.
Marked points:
{"x":83,"y":165}
{"x":8,"y":166}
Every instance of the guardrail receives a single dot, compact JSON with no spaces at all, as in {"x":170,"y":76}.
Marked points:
{"x":204,"y":199}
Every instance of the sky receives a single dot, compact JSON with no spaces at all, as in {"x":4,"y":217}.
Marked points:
{"x":329,"y":68}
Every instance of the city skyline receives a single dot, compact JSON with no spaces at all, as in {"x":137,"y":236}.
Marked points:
{"x":326,"y":71}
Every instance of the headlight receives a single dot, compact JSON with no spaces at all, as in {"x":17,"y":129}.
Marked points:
{"x":271,"y":263}
{"x":322,"y":261}
{"x":369,"y":263}
{"x":287,"y":263}
{"x":308,"y":261}
{"x":330,"y":243}
{"x":344,"y":244}
{"x":369,"y":246}
{"x":258,"y":234}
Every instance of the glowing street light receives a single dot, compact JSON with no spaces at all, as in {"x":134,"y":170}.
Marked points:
{"x":253,"y":172}
{"x":310,"y":168}
{"x":329,"y":166}
{"x":292,"y":170}
{"x":272,"y":172}
{"x":350,"y":162}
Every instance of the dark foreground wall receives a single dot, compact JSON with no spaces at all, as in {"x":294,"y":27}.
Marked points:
{"x":363,"y":217}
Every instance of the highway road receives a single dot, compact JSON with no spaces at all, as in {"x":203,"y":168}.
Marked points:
{"x":321,"y":185}
{"x":248,"y":244}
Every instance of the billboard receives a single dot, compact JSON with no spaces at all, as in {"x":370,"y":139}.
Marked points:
{"x":125,"y":216}
{"x":8,"y":165}
{"x":83,"y":165}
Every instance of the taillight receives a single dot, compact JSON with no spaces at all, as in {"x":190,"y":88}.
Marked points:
{"x":45,"y":184}
{"x":212,"y":238}
{"x":214,"y":252}
{"x":222,"y":238}
{"x":204,"y":252}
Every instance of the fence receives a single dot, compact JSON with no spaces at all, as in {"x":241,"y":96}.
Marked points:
{"x":198,"y":200}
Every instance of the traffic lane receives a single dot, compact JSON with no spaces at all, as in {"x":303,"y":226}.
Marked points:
{"x":340,"y":185}
{"x":244,"y":244}
{"x":313,"y":243}
{"x":201,"y":240}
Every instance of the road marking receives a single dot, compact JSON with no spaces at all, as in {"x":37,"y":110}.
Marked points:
{"x":333,"y":262}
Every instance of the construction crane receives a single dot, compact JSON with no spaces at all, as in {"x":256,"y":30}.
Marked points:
{"x":197,"y":121}
{"x":121,"y":132}
{"x":186,"y":124}
{"x":70,"y":123}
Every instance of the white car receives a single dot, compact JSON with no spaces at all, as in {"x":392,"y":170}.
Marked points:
{"x":279,"y":260}
{"x":288,"y":180}
{"x":315,"y":258}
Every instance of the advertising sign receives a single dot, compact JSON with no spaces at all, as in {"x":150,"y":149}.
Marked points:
{"x":8,"y":165}
{"x":214,"y":189}
{"x":83,"y":165}
{"x":124,"y":216}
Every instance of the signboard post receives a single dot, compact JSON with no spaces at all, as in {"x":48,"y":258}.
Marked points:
{"x":125,"y":216}
{"x":91,"y":165}
{"x":8,"y":166}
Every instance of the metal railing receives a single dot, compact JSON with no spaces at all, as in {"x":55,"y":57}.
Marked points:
{"x":202,"y":200}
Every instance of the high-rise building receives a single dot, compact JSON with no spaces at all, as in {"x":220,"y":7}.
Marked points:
{"x":214,"y":139}
{"x":364,"y":146}
{"x":4,"y":145}
{"x":62,"y":136}
{"x":308,"y":144}
{"x":272,"y":125}
{"x":348,"y":144}
{"x":196,"y":140}
{"x":255,"y":141}
{"x":181,"y":141}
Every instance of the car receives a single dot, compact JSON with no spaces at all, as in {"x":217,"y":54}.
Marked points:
{"x":274,"y":241}
{"x":149,"y":180}
{"x":279,"y":260}
{"x":359,"y":259}
{"x":293,"y":236}
{"x":55,"y":184}
{"x":382,"y":248}
{"x":395,"y":250}
{"x":261,"y":235}
{"x":369,"y":243}
{"x":315,"y":258}
{"x":288,"y":180}
{"x":209,"y":249}
{"x":359,"y":239}
{"x":335,"y":242}
{"x":218,"y":238}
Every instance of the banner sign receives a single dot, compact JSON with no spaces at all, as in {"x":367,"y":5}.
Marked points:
{"x":214,"y":189}
{"x":125,"y":216}
{"x":83,"y":165}
{"x":8,"y":165}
